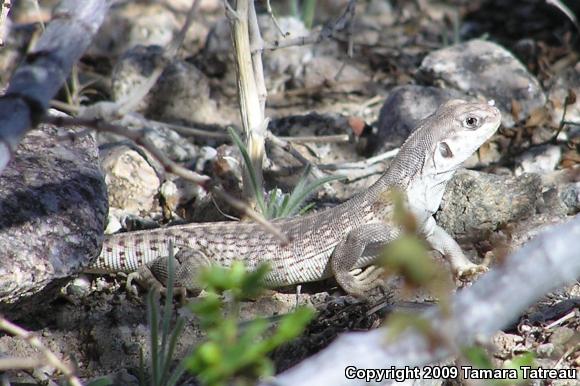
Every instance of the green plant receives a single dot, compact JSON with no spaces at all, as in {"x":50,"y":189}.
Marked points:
{"x":162,"y":350}
{"x":100,"y":382}
{"x":278,"y":204}
{"x":236,"y":353}
{"x":305,"y":13}
{"x":480,"y":359}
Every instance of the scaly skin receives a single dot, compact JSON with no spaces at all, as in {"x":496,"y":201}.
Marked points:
{"x":336,"y":242}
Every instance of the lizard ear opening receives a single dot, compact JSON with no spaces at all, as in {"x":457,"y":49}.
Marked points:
{"x":445,"y":150}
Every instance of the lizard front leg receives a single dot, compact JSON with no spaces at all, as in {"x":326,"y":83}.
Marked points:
{"x":443,"y":243}
{"x":348,"y":255}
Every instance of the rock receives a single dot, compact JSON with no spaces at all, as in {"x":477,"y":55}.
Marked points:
{"x":561,"y":85}
{"x":287,"y":64}
{"x":280,"y":66}
{"x":178,"y":196}
{"x":52,"y":213}
{"x":172,"y":144}
{"x":570,"y":196}
{"x":405,"y":107}
{"x":528,"y":228}
{"x":563,"y":337}
{"x":505,"y":344}
{"x":328,"y":70}
{"x":476,"y":203}
{"x":545,"y":350}
{"x":485,"y":69}
{"x":132,"y":183}
{"x":180,"y":86}
{"x":183,"y":93}
{"x":134,"y":23}
{"x":132,"y":69}
{"x":541,"y":160}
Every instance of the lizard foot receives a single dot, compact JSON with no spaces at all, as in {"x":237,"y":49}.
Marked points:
{"x":146,"y":279}
{"x":469,"y":272}
{"x":358,"y":281}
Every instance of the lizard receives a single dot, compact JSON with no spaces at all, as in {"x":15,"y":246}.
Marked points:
{"x":343,"y":241}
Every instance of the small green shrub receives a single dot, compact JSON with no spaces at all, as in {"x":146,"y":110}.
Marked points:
{"x":234,"y":352}
{"x":278,"y":204}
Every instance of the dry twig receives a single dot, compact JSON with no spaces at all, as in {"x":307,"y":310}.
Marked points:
{"x":4,"y":9}
{"x":326,"y":32}
{"x":169,"y":165}
{"x":549,"y":261}
{"x":45,"y":69}
{"x":132,"y":100}
{"x":251,"y":88}
{"x":48,"y":356}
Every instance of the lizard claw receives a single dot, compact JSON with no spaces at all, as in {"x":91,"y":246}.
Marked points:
{"x":359,"y":281}
{"x":469,"y":272}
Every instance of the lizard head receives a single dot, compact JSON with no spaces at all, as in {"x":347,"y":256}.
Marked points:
{"x":457,"y":129}
{"x":439,"y":145}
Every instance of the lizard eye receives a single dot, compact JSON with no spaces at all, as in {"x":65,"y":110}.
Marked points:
{"x":471,"y":122}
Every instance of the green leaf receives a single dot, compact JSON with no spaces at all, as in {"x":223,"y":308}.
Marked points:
{"x":256,"y":188}
{"x":292,"y":325}
{"x":100,"y":382}
{"x":478,"y":357}
{"x":210,"y":353}
{"x":253,"y":283}
{"x":303,"y":190}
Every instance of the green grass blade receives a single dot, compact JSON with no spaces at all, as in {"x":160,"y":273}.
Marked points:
{"x":175,"y":334}
{"x":303,"y":190}
{"x":257,"y":190}
{"x":164,"y":358}
{"x":166,"y":317}
{"x":152,"y":313}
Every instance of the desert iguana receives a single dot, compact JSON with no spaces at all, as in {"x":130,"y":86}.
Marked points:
{"x":336,"y":242}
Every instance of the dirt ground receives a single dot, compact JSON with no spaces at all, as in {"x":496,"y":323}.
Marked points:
{"x":101,"y":329}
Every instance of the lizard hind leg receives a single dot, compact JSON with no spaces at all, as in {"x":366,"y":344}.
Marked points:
{"x":187,"y":263}
{"x":349,"y":254}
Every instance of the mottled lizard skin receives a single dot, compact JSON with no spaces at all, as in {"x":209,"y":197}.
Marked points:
{"x":334,"y":242}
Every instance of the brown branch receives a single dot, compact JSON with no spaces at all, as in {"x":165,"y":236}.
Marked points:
{"x":251,"y":89}
{"x":48,"y":355}
{"x":5,"y":6}
{"x":45,"y":69}
{"x":326,"y":32}
{"x":549,"y":261}
{"x":169,"y":166}
{"x":132,"y":100}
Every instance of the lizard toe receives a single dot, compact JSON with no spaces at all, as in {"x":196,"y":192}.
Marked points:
{"x":470,"y":272}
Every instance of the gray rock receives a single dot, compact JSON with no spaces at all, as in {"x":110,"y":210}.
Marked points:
{"x":485,"y":69}
{"x":182,"y":93}
{"x":171,"y":143}
{"x":132,"y":184}
{"x":325,"y":69}
{"x":134,"y":23}
{"x":570,"y":196}
{"x":404,"y":108}
{"x":287,"y":64}
{"x":527,"y":229}
{"x":541,"y":160}
{"x":476,"y":203}
{"x":280,"y":66}
{"x":52,"y":212}
{"x":132,"y":69}
{"x":180,"y":86}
